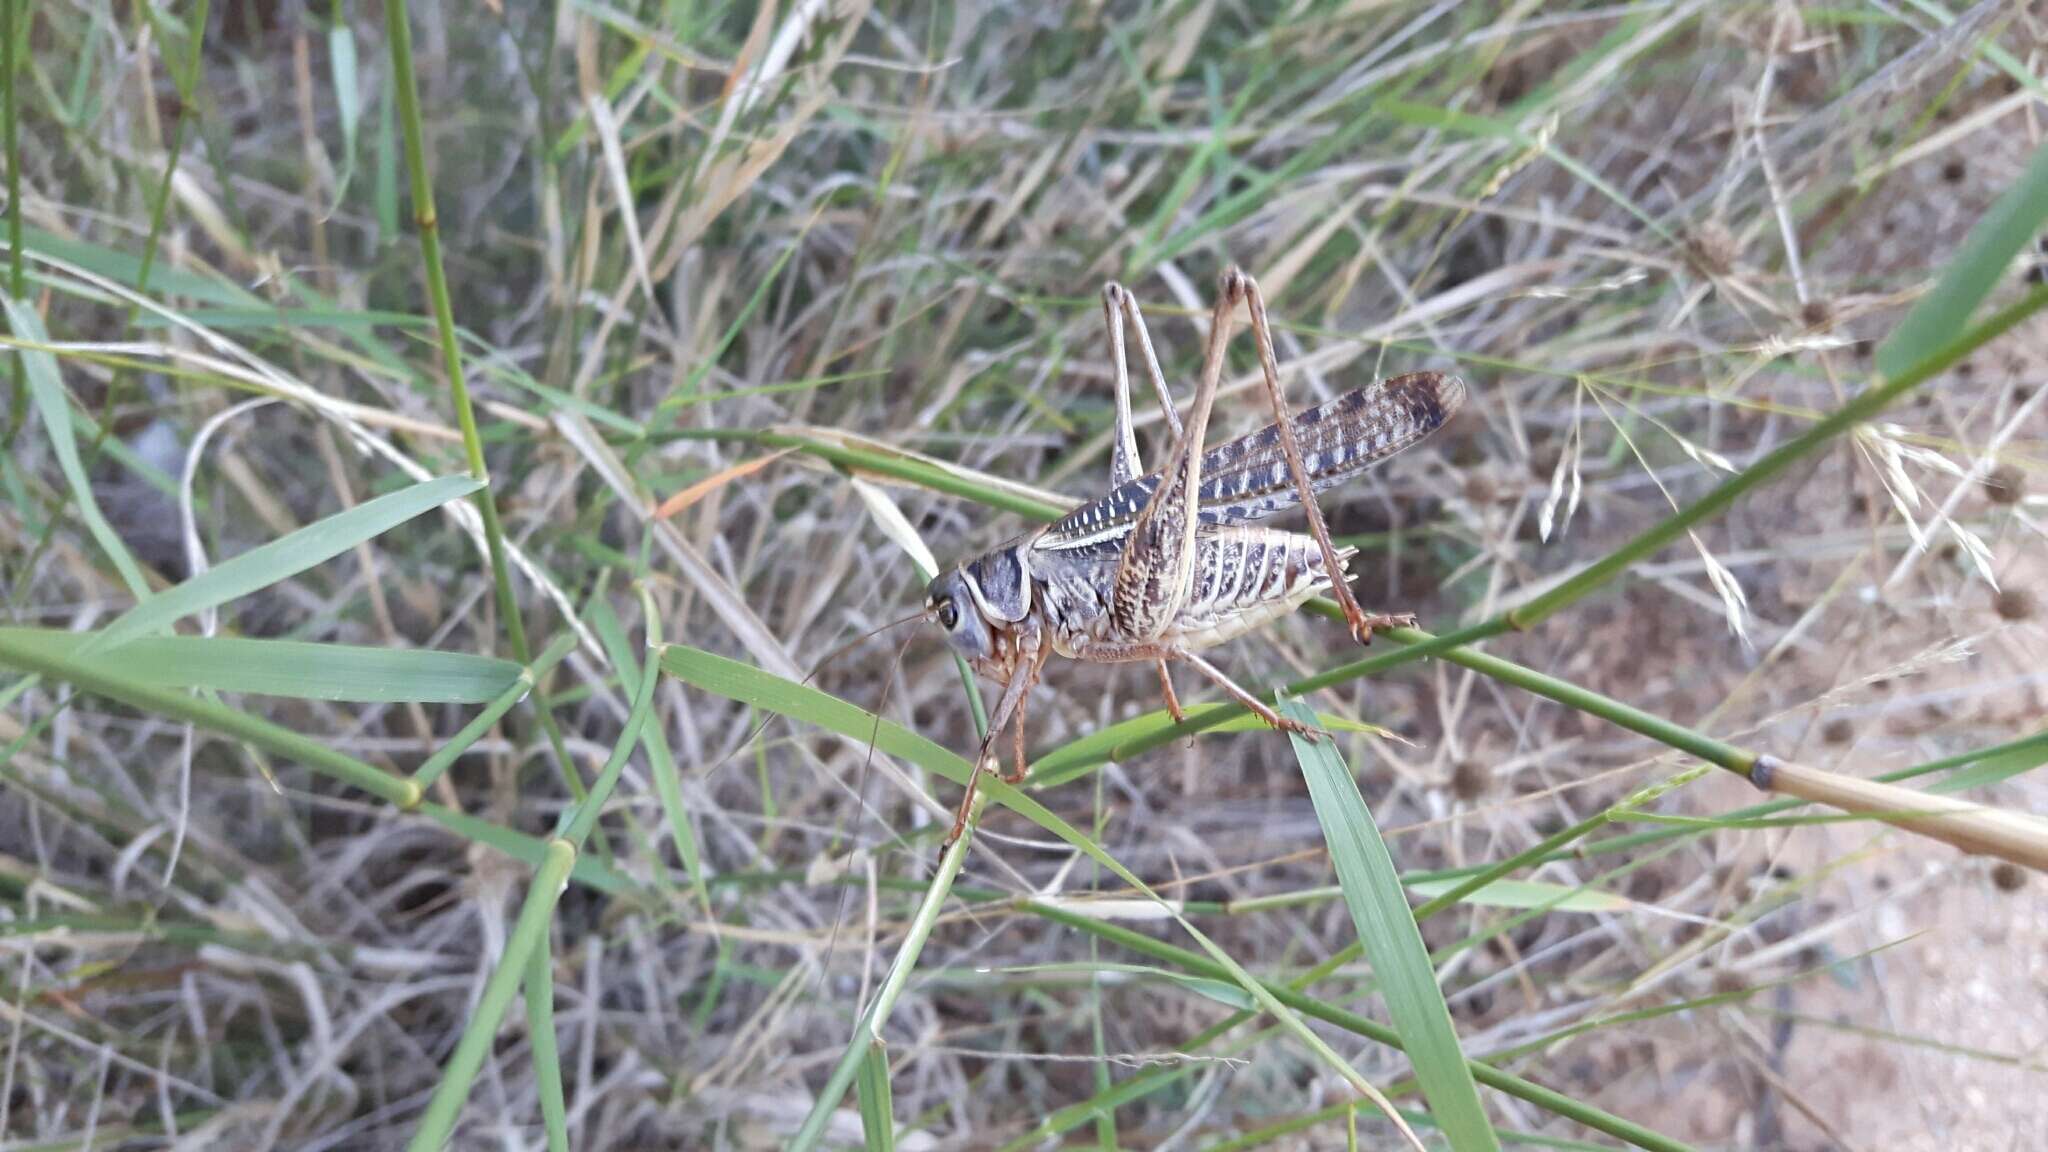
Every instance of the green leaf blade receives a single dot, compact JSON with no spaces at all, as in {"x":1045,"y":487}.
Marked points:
{"x":289,"y":668}
{"x":285,"y":557}
{"x":46,"y":389}
{"x":877,"y":1105}
{"x":1386,"y":926}
{"x":1985,"y":257}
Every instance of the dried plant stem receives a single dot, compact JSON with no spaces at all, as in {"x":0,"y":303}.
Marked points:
{"x":2014,"y":836}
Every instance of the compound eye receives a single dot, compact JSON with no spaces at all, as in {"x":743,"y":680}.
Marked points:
{"x":949,"y":615}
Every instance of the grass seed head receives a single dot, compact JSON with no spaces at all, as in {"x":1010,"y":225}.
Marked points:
{"x":2008,"y":876}
{"x":2013,"y":603}
{"x":2005,"y":484}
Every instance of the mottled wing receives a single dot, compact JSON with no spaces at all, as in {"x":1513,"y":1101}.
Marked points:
{"x":1246,"y":479}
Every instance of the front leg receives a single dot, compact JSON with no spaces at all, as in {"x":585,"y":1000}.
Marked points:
{"x":1158,"y":562}
{"x":1030,"y":657}
{"x":1023,"y":767}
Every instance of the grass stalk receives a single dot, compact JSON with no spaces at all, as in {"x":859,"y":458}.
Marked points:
{"x":868,"y":1030}
{"x":547,"y":1055}
{"x":17,"y":282}
{"x":444,"y":1108}
{"x":398,"y":28}
{"x":877,"y":1106}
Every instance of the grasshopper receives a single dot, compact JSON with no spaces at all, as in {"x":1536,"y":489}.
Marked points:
{"x":1168,"y":562}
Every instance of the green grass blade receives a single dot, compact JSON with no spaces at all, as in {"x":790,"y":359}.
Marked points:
{"x":590,"y":872}
{"x":535,"y":914}
{"x":348,"y":103}
{"x":547,"y":1055}
{"x":1221,"y":991}
{"x":2022,"y":757}
{"x":668,"y":784}
{"x":384,"y":180}
{"x":877,"y":1108}
{"x":1127,"y":738}
{"x":291,"y":668}
{"x":104,"y":679}
{"x":46,"y":388}
{"x":445,"y":756}
{"x":284,"y":557}
{"x":577,"y":821}
{"x":1984,"y":259}
{"x":1379,"y":908}
{"x":761,"y":689}
{"x":1498,"y":894}
{"x":125,"y":268}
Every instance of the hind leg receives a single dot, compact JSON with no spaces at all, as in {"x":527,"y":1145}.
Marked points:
{"x":1361,"y":622}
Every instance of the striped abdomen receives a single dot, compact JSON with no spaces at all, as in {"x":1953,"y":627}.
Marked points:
{"x":1245,"y":577}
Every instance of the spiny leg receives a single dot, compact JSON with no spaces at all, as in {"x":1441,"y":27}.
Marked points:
{"x":1156,"y":569}
{"x":1257,"y":706}
{"x":1116,"y":652}
{"x":1361,"y":622}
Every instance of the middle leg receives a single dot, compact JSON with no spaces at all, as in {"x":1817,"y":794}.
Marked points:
{"x":1165,"y":653}
{"x":1244,"y":696}
{"x":1032,"y":669}
{"x":1173,"y":708}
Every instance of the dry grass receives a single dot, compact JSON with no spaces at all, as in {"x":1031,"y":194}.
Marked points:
{"x":1656,"y":240}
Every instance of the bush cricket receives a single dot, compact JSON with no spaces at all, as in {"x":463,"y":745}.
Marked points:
{"x":1169,"y":563}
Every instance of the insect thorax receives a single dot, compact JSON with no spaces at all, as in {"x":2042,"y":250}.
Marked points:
{"x":1002,"y":582}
